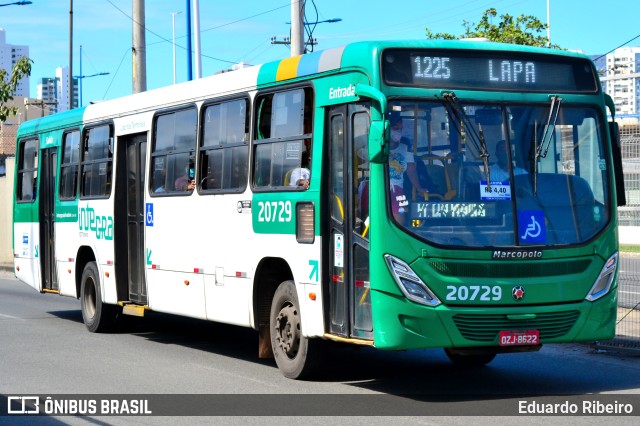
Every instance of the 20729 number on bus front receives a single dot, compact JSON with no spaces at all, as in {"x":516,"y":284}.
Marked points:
{"x":482,"y":293}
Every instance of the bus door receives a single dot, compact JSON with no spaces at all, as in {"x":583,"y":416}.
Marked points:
{"x":47,"y":218}
{"x":129,"y":218}
{"x":347,"y":240}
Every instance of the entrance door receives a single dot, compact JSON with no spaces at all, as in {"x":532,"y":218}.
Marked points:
{"x":47,"y":219}
{"x":347,"y":242}
{"x":129,"y":221}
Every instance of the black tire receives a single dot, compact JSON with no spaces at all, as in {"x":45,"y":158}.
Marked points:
{"x":471,"y":360}
{"x":98,"y":317}
{"x":296,"y":356}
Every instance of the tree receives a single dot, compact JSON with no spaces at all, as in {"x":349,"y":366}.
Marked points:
{"x":9,"y":83}
{"x":524,"y":29}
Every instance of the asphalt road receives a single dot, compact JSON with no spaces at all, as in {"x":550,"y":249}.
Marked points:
{"x":45,"y":349}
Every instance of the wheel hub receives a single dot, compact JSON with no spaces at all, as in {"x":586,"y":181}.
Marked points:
{"x":288,"y":330}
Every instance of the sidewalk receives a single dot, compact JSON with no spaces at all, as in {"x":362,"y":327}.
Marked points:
{"x":6,"y":271}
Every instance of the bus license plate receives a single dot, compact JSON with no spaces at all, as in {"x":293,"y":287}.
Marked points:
{"x":519,"y":337}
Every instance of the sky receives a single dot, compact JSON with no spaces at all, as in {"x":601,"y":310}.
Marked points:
{"x":241,"y":31}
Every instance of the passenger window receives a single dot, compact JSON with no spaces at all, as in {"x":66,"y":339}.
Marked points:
{"x":283,"y":140}
{"x":27,"y":171}
{"x":97,"y":162}
{"x":173,"y":152}
{"x":224,"y":152}
{"x":69,"y":165}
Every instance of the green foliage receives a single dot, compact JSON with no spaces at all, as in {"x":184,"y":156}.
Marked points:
{"x":525,"y":30}
{"x":9,"y":83}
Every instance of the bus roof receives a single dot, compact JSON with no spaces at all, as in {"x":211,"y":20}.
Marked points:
{"x":48,"y":123}
{"x":357,"y":55}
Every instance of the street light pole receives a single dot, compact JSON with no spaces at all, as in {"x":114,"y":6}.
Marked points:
{"x":196,"y":38}
{"x":173,"y":28}
{"x":548,"y":23}
{"x":82,"y":77}
{"x":79,"y":83}
{"x":70,"y":82}
{"x":189,"y":66}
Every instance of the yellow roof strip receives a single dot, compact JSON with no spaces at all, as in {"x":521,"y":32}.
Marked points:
{"x":288,"y":68}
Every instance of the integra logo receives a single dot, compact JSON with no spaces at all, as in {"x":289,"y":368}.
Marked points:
{"x":517,"y":254}
{"x":342,"y":92}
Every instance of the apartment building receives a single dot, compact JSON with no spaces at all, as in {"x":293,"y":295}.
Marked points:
{"x":620,"y":76}
{"x":9,"y":55}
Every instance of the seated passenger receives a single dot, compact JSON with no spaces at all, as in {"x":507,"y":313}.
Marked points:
{"x":159,"y":177}
{"x":300,"y":175}
{"x":187,"y":182}
{"x":400,"y":161}
{"x":424,"y":178}
{"x":499,"y":171}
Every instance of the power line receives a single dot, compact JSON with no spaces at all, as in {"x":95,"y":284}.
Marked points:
{"x":161,"y":37}
{"x":116,"y":73}
{"x":622,"y":45}
{"x":208,"y":29}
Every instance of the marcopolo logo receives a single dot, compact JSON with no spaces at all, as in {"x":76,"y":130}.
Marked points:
{"x":517,"y":254}
{"x":342,"y":92}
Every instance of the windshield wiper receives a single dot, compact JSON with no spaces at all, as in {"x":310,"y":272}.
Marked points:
{"x":476,"y":139}
{"x":547,"y":135}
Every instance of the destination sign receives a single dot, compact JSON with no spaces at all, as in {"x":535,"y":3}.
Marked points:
{"x":489,"y":70}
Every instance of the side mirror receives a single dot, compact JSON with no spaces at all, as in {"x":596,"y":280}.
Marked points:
{"x":378,"y":134}
{"x":380,"y":129}
{"x":616,"y":151}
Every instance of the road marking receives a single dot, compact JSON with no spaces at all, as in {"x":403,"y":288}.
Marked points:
{"x":11,"y":317}
{"x":628,"y":292}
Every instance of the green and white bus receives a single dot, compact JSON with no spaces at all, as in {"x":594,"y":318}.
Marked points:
{"x":415,"y":194}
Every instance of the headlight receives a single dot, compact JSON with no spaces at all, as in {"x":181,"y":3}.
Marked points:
{"x":605,"y":279}
{"x":410,"y":283}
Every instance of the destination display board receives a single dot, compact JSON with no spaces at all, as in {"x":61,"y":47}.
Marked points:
{"x":488,"y":70}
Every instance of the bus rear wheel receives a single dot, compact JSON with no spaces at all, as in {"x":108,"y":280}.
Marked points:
{"x":295,"y":355}
{"x":98,"y":317}
{"x":470,"y":360}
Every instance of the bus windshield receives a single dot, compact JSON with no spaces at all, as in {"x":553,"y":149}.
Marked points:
{"x":498,"y":175}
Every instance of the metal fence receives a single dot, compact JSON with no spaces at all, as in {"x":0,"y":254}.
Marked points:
{"x":628,"y":321}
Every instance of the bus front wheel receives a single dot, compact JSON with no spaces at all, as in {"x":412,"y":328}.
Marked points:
{"x":295,"y":355}
{"x":97,"y":316}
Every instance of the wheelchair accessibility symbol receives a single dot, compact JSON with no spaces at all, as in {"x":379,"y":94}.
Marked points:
{"x":531,"y":226}
{"x":533,"y":229}
{"x":148,"y":217}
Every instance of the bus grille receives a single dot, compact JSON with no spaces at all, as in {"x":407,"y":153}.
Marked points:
{"x":509,"y":270}
{"x":485,"y":328}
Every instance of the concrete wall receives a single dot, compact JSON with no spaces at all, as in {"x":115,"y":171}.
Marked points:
{"x":6,"y":215}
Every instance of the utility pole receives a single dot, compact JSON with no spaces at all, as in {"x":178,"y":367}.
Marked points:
{"x":297,"y":27}
{"x":41,"y":104}
{"x":196,"y":37}
{"x":139,"y":48}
